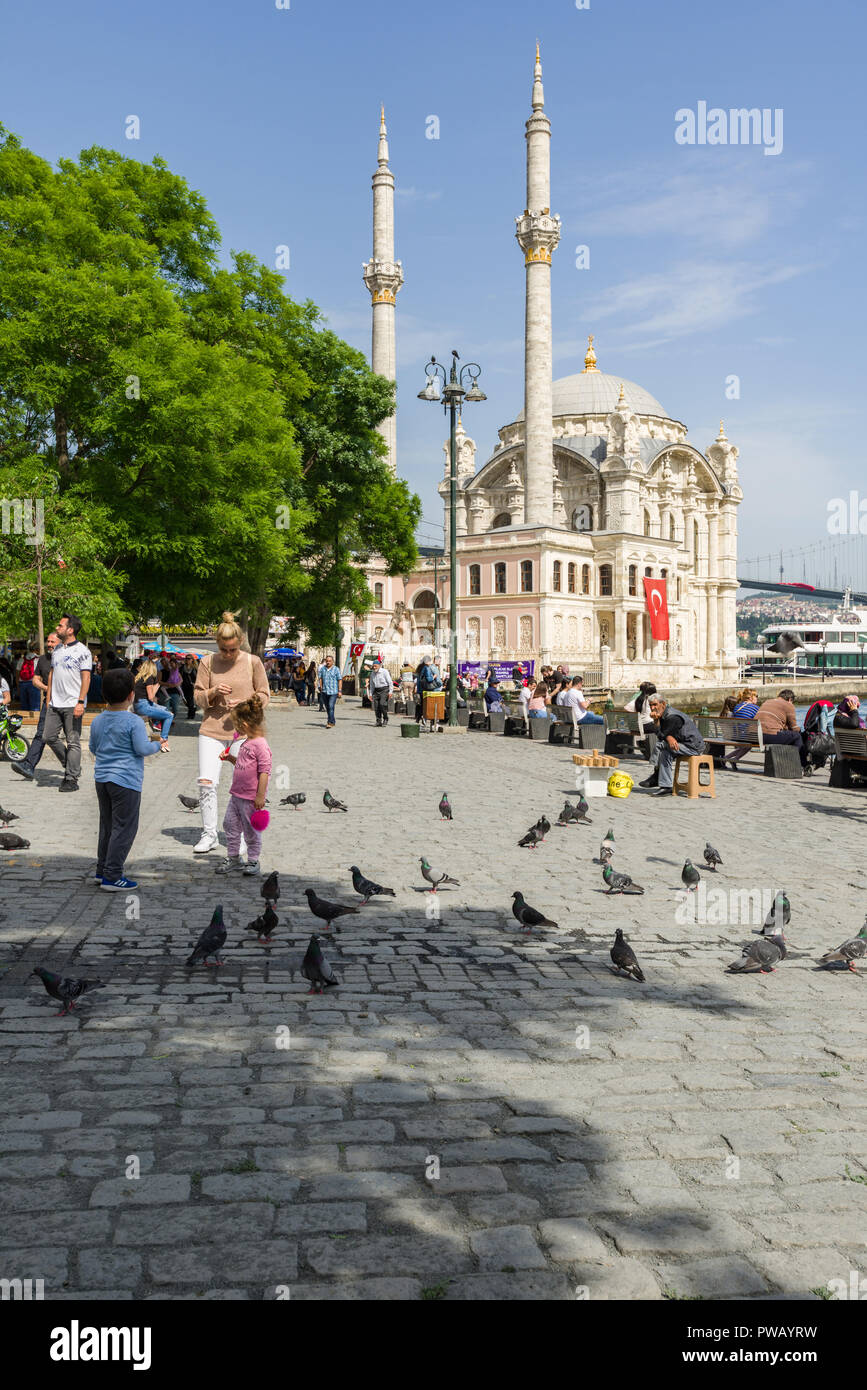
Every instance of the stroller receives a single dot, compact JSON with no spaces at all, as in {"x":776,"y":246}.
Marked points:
{"x":818,"y":738}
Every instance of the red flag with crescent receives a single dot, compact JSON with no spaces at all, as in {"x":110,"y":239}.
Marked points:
{"x":657,"y":607}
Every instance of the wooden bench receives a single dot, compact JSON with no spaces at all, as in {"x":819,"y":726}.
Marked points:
{"x":742,"y":734}
{"x":850,"y":746}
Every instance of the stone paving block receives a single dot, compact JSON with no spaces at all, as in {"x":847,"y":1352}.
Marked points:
{"x":362,"y":1185}
{"x":512,"y":1208}
{"x":731,"y":1277}
{"x":198,"y":1222}
{"x":368,"y":1290}
{"x":502,"y":1247}
{"x":307,"y":1217}
{"x":248,"y":1187}
{"x":268,"y":1261}
{"x":151,"y":1189}
{"x":798,"y":1272}
{"x":423,"y":1256}
{"x":109,"y":1269}
{"x":625,"y":1280}
{"x":573,"y":1240}
{"x":55,"y":1228}
{"x":36,"y":1262}
{"x":498,"y":1288}
{"x":675,"y":1234}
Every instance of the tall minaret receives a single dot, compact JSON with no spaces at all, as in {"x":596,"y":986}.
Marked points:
{"x":383,"y":276}
{"x":538,"y":234}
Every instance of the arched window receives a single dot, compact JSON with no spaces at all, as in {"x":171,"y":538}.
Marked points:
{"x":377,"y":595}
{"x":557,"y":568}
{"x":646,"y":522}
{"x":500,"y":577}
{"x":571,"y":573}
{"x":526,"y":576}
{"x":582,"y":518}
{"x":605,"y":581}
{"x":663,"y":574}
{"x":585,"y":579}
{"x":648,"y":572}
{"x":424,"y":600}
{"x":475,"y":579}
{"x":633,"y":579}
{"x":502,"y":519}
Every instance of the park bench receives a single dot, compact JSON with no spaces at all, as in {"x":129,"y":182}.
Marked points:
{"x":850,"y":747}
{"x":624,"y":732}
{"x":742,"y":734}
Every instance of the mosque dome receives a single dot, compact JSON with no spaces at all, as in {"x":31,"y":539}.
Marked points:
{"x":592,"y":392}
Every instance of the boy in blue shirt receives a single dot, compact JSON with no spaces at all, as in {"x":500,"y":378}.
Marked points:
{"x":119,"y":742}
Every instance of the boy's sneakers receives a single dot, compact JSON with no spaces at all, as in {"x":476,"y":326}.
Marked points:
{"x":251,"y":867}
{"x":230,"y":865}
{"x":121,"y":885}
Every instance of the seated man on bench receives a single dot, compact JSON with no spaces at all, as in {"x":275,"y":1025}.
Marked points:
{"x":678,"y":737}
{"x":780,"y":723}
{"x":574,"y":695}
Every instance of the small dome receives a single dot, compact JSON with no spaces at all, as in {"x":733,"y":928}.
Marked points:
{"x":597,"y":393}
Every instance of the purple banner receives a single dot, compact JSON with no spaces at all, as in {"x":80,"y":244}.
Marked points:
{"x":502,"y":669}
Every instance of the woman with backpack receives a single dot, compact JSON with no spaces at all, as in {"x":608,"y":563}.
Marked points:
{"x":28,"y":695}
{"x":426,"y":678}
{"x":225,"y":679}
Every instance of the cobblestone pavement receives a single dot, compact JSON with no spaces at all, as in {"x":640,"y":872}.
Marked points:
{"x":700,"y":1135}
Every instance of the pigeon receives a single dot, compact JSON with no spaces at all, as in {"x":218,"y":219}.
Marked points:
{"x":543,"y":825}
{"x":568,"y":815}
{"x":619,"y":883}
{"x":532,"y":838}
{"x":528,"y":916}
{"x":608,"y":839}
{"x":781,"y":908}
{"x":849,"y":952}
{"x":7,"y":816}
{"x":625,"y":958}
{"x":10,"y":841}
{"x":605,"y":853}
{"x":690,"y":876}
{"x":316,"y":969}
{"x":325,"y":911}
{"x":270,"y":889}
{"x":762,"y":954}
{"x":711,"y":857}
{"x":434,"y":876}
{"x":445,"y":807}
{"x":65,"y":991}
{"x":191,"y":802}
{"x":295,"y":799}
{"x":581,"y":810}
{"x":366,"y":887}
{"x":264,"y":925}
{"x":331,"y":804}
{"x":211,"y":941}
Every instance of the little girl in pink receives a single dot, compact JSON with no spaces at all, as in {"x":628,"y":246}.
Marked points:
{"x":252,"y":764}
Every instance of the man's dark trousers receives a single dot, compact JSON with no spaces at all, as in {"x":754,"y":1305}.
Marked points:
{"x":37,"y":747}
{"x":380,"y":705}
{"x":118,"y":824}
{"x":789,"y":736}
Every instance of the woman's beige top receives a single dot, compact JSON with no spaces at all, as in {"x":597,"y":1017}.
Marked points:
{"x":246,"y":676}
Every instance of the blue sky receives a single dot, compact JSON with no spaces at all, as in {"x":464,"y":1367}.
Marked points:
{"x":705,"y":261}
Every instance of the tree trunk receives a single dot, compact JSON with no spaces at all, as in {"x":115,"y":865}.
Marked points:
{"x":61,"y":440}
{"x":39,"y":617}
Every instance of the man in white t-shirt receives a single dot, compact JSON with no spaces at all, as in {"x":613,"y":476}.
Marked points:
{"x":574,"y":695}
{"x":68,"y":683}
{"x":525,"y":695}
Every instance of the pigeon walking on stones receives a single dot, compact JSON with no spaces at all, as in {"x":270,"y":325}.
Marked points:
{"x":65,"y":991}
{"x":528,"y":916}
{"x":445,"y":807}
{"x":568,"y":815}
{"x":264,"y":925}
{"x":543,"y":825}
{"x":190,"y":802}
{"x":690,"y":876}
{"x":332,"y":804}
{"x":10,"y":841}
{"x":366,"y":887}
{"x":532,"y":838}
{"x":711,"y":857}
{"x":849,"y":952}
{"x":325,"y":911}
{"x":270,"y":889}
{"x":316,"y":968}
{"x":624,"y":958}
{"x":619,"y":883}
{"x":211,"y":941}
{"x":763,"y":954}
{"x":7,"y":816}
{"x":779,"y":915}
{"x":581,"y":811}
{"x":295,"y":799}
{"x":435,"y":877}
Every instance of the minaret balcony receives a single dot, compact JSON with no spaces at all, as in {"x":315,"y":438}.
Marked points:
{"x":538,"y":235}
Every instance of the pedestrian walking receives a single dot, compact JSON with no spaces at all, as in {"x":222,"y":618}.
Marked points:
{"x":299,"y":682}
{"x":252,"y":763}
{"x":380,"y":687}
{"x":224,"y":681}
{"x":68,"y":684}
{"x":330,"y":688}
{"x":27,"y":768}
{"x":188,"y":684}
{"x":119,"y":743}
{"x":311,"y":681}
{"x":147,"y":683}
{"x":28,"y":695}
{"x":170,"y":684}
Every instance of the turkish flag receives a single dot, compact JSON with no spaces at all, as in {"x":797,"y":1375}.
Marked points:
{"x":657,"y":607}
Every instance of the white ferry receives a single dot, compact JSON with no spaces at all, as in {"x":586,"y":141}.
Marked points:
{"x":835,"y":647}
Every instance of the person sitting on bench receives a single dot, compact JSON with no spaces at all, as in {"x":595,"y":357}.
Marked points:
{"x":746,"y":706}
{"x":847,"y":716}
{"x":678,"y":737}
{"x":780,"y":723}
{"x":574,"y":695}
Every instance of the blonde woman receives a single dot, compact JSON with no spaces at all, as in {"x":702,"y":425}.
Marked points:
{"x":147,"y":683}
{"x":224,"y":680}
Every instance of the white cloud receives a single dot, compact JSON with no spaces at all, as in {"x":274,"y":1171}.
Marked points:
{"x":418,"y":195}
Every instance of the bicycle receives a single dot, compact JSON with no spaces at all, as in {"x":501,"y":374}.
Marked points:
{"x":14,"y":747}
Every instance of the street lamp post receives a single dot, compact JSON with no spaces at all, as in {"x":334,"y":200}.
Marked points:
{"x":453,"y":394}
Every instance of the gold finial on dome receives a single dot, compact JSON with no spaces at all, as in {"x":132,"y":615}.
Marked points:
{"x":621,"y":398}
{"x":722,"y":431}
{"x":590,"y":357}
{"x":382,"y":117}
{"x":538,"y":57}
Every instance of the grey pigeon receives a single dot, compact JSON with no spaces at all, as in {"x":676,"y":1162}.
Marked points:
{"x":316,"y":969}
{"x":608,"y":838}
{"x":64,"y":990}
{"x":366,"y":887}
{"x":763,"y":954}
{"x":619,"y":883}
{"x":780,"y":914}
{"x":581,"y":810}
{"x":211,"y":941}
{"x":690,"y":876}
{"x":528,"y":916}
{"x":568,"y":815}
{"x":606,"y":849}
{"x":295,"y":799}
{"x":445,"y":807}
{"x":264,"y":925}
{"x":191,"y":802}
{"x":532,"y":838}
{"x":711,"y":857}
{"x":435,"y":877}
{"x":543,"y":825}
{"x":325,"y":911}
{"x":849,"y":952}
{"x":625,"y":958}
{"x":270,"y":889}
{"x":8,"y":840}
{"x":7,"y":816}
{"x":331,"y":804}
